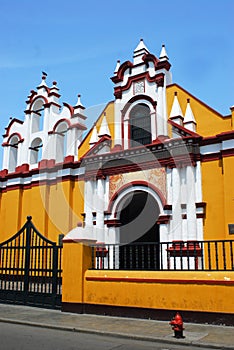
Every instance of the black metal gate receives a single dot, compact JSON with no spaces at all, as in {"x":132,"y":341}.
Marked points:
{"x":30,"y":269}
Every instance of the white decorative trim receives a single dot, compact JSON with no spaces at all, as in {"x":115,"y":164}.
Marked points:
{"x":42,"y":176}
{"x":227,"y":144}
{"x":214,"y":148}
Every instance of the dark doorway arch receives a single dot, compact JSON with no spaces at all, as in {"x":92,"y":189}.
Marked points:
{"x":139,"y":232}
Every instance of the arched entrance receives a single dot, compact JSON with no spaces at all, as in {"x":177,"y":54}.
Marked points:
{"x":138,"y":217}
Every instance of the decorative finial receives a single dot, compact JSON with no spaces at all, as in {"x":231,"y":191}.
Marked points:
{"x":44,"y":75}
{"x":117,"y":67}
{"x":163,"y":54}
{"x":43,"y":80}
{"x":78,"y":103}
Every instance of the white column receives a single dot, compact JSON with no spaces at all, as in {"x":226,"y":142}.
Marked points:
{"x":71,"y":142}
{"x":160,"y":116}
{"x":183,"y":201}
{"x":176,"y":223}
{"x":88,"y":204}
{"x":153,"y":126}
{"x":46,"y":121}
{"x":118,"y":126}
{"x":165,"y":128}
{"x":198,"y":182}
{"x":49,"y":150}
{"x":163,"y":234}
{"x":5,"y":163}
{"x":191,"y":204}
{"x":25,"y":151}
{"x":198,"y":193}
{"x":126,"y":135}
{"x":100,"y":210}
{"x":20,"y":154}
{"x":169,"y":185}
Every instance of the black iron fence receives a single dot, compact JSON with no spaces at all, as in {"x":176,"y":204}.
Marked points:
{"x":214,"y":255}
{"x":30,"y":269}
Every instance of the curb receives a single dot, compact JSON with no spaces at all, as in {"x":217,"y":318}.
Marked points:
{"x":117,"y":335}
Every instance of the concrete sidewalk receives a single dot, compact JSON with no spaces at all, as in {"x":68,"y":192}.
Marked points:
{"x":214,"y":337}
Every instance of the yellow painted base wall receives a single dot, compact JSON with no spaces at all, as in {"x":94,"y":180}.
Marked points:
{"x":165,"y":290}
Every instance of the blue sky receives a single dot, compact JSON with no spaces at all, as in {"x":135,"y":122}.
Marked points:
{"x":78,"y":43}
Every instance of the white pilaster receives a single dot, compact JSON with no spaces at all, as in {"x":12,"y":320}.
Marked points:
{"x":20,"y":154}
{"x":25,"y":157}
{"x":198,"y":182}
{"x":153,"y":126}
{"x":5,"y":163}
{"x":118,"y":134}
{"x":126,"y":136}
{"x":176,"y":224}
{"x":191,"y":204}
{"x":50,"y":147}
{"x":100,"y":210}
{"x":164,"y":237}
{"x":160,"y":114}
{"x":183,"y":201}
{"x":88,"y":204}
{"x":165,"y":116}
{"x":198,"y":192}
{"x":71,"y":142}
{"x":169,"y":185}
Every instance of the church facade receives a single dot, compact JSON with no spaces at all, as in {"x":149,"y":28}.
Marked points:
{"x":156,"y":166}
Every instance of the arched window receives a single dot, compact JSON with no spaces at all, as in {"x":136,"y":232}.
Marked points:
{"x":36,"y":151}
{"x":140,"y":125}
{"x":38,"y":116}
{"x":61,"y":141}
{"x":14,"y":141}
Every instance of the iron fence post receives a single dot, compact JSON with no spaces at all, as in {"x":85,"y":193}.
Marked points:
{"x":27,"y":257}
{"x":55,"y":273}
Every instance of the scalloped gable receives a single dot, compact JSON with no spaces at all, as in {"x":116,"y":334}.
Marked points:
{"x":11,"y":126}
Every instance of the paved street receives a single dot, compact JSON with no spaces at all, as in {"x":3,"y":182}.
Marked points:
{"x":20,"y":337}
{"x":23,"y":327}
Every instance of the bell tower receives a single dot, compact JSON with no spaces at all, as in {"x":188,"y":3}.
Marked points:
{"x":141,"y":83}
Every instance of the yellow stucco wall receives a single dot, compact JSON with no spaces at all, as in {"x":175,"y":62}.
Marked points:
{"x":213,"y":195}
{"x":55,"y":208}
{"x":34,"y":201}
{"x":10,"y":213}
{"x":218,"y":193}
{"x":209,"y":121}
{"x":200,"y":291}
{"x":228,"y":168}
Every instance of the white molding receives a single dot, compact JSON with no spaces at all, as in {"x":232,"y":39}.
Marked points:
{"x":214,"y":148}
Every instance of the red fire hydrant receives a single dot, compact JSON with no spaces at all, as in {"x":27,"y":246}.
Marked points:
{"x":177,"y":326}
